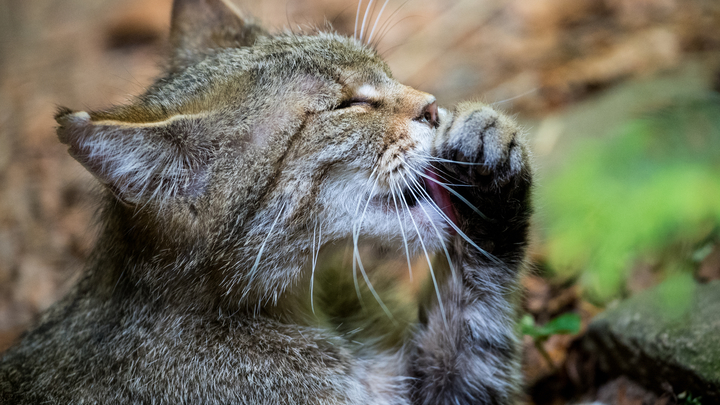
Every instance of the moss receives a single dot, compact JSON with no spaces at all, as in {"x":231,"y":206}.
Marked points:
{"x":668,"y":334}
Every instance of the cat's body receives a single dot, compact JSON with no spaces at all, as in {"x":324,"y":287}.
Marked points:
{"x":225,"y":179}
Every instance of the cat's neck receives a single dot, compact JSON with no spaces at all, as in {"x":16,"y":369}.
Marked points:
{"x":183,"y":270}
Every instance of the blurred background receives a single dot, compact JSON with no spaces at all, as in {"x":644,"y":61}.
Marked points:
{"x":619,"y":99}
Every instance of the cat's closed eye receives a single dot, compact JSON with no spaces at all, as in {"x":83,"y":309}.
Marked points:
{"x":356,"y":101}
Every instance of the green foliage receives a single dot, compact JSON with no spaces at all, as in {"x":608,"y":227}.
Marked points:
{"x":564,"y":324}
{"x":687,"y":399}
{"x":655,"y":184}
{"x":568,"y":323}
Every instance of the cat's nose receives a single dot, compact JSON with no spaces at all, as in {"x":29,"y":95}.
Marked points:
{"x":429,"y":115}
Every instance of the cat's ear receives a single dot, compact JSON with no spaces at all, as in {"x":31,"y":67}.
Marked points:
{"x":140,"y":161}
{"x":200,"y":26}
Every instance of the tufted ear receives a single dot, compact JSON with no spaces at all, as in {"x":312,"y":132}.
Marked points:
{"x":200,"y":26}
{"x":140,"y":161}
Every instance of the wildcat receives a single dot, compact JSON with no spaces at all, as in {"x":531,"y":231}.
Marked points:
{"x":223,"y":180}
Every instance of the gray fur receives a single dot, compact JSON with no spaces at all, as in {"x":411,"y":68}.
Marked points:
{"x":223,"y":182}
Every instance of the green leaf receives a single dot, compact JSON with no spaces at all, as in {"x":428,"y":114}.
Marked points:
{"x":527,"y":326}
{"x":564,"y":324}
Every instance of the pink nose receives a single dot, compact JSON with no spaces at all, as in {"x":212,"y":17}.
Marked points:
{"x":429,"y":115}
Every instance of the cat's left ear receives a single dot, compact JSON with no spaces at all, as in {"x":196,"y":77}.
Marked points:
{"x":140,"y":161}
{"x":200,"y":26}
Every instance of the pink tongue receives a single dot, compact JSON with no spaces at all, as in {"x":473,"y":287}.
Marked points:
{"x":440,"y":195}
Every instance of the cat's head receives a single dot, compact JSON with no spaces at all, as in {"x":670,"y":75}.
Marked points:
{"x":254,"y":149}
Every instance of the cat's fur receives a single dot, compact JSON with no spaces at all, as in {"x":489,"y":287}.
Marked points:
{"x":224,"y":179}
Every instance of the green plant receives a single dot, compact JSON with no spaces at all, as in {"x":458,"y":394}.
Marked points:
{"x":686,"y":398}
{"x":634,"y":195}
{"x":568,"y":323}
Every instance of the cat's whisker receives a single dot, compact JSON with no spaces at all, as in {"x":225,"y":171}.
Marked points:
{"x":372,"y":13}
{"x":369,"y":41}
{"x":315,"y":255}
{"x":386,"y":27}
{"x":456,"y":228}
{"x":357,"y":17}
{"x":427,"y":257}
{"x":455,"y":193}
{"x":439,"y":159}
{"x":372,"y":289}
{"x":354,"y":270}
{"x":432,"y":223}
{"x":356,"y":233}
{"x":362,"y":29}
{"x":253,"y":271}
{"x":402,"y":230}
{"x":356,"y":259}
{"x":516,"y":97}
{"x":441,"y":172}
{"x":354,"y":274}
{"x":455,"y":162}
{"x":367,"y":182}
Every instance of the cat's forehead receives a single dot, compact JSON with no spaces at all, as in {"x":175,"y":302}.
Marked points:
{"x":351,"y":60}
{"x":231,"y":75}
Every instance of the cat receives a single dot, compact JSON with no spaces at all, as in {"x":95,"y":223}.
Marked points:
{"x":222,"y":182}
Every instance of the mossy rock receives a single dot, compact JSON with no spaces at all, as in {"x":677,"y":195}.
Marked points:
{"x":667,"y":335}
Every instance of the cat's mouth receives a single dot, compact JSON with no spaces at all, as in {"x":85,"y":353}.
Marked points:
{"x":439,"y":194}
{"x":433,"y":191}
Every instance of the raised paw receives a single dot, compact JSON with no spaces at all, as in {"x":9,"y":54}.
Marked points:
{"x":481,"y":147}
{"x":482,"y":156}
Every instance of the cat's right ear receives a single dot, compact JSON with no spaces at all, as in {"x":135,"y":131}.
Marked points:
{"x":200,"y":26}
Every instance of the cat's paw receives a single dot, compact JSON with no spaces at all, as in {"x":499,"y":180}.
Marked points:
{"x":481,"y":155}
{"x":481,"y":147}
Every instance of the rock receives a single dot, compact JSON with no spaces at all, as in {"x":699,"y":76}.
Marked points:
{"x":622,"y":391}
{"x":667,"y":338}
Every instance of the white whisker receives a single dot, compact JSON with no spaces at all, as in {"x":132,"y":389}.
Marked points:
{"x":439,"y":159}
{"x":456,"y":228}
{"x":315,"y":255}
{"x":432,"y":223}
{"x":253,"y":271}
{"x":402,"y":231}
{"x":516,"y":97}
{"x":356,"y":259}
{"x":460,"y":197}
{"x":267,"y":237}
{"x":362,"y":29}
{"x":385,"y":27}
{"x":357,"y":17}
{"x":357,"y":208}
{"x":372,"y":290}
{"x":376,"y":21}
{"x":429,"y":262}
{"x":440,"y":171}
{"x":356,"y":234}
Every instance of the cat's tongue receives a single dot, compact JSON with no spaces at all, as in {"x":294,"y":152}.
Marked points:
{"x":439,"y":195}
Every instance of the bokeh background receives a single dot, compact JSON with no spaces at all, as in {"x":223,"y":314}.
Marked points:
{"x":618,"y":98}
